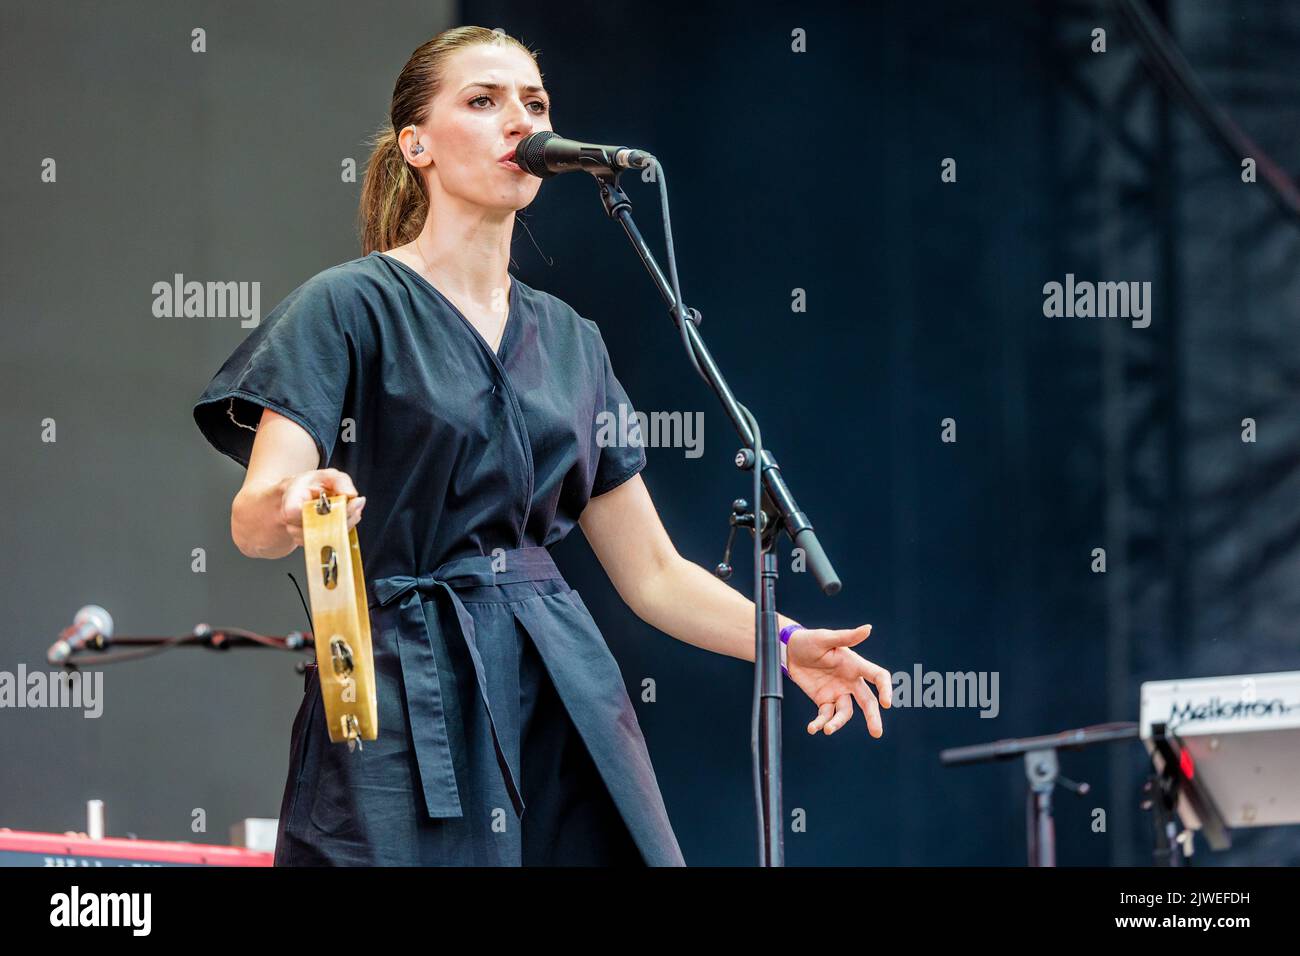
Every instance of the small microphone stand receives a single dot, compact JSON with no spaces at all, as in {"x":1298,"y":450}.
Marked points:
{"x":1042,"y":775}
{"x":203,"y":635}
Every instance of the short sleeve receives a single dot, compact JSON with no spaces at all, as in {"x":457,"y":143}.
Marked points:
{"x":298,"y":361}
{"x":619,"y":445}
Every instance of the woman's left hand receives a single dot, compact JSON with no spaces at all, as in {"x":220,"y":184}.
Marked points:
{"x":820,"y":662}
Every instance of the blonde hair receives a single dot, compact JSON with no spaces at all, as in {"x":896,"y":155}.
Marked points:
{"x":393,"y":201}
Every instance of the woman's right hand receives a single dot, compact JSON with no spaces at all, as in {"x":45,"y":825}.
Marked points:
{"x":307,"y":486}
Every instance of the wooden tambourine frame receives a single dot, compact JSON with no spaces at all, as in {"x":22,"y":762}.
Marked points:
{"x":340,"y":621}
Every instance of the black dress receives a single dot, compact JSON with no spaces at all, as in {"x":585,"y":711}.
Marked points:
{"x":506,"y":732}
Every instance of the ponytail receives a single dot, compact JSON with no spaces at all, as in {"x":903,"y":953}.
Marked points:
{"x":393,"y":201}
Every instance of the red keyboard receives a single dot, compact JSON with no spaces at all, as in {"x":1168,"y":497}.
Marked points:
{"x":20,"y":848}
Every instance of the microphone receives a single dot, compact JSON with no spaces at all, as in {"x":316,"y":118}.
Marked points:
{"x":92,"y":626}
{"x":544,"y":154}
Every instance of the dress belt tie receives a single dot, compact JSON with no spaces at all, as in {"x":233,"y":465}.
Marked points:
{"x":427,"y":722}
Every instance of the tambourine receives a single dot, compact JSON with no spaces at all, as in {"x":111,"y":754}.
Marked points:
{"x":340,"y":621}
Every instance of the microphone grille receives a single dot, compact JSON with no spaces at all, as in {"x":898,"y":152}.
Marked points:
{"x":98,"y":617}
{"x":531,"y":153}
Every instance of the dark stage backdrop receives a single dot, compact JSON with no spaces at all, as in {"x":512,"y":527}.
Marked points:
{"x":962,"y":454}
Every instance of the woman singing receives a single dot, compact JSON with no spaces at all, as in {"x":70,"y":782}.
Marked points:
{"x":464,"y":404}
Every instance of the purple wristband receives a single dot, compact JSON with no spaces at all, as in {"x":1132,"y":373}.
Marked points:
{"x":785,"y":639}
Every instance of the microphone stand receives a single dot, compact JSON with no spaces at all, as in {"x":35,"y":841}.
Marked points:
{"x":1042,"y":775}
{"x":203,"y":635}
{"x":776,"y":512}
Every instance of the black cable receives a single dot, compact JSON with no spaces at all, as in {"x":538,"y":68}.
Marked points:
{"x":306,"y":610}
{"x":679,"y":309}
{"x":755,"y":715}
{"x":681,"y":316}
